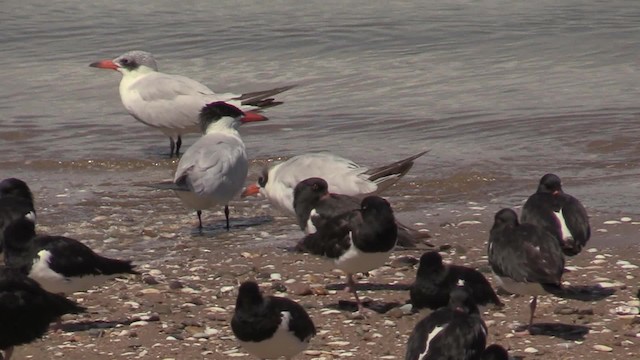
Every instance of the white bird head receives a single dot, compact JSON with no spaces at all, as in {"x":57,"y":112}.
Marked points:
{"x":128,"y":62}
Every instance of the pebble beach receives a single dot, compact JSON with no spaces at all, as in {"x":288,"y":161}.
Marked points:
{"x":181,"y":305}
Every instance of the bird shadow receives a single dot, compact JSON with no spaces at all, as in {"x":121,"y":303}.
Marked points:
{"x":221,"y":227}
{"x":585,"y":292}
{"x":371,"y":287}
{"x":563,"y":331}
{"x":380,"y":307}
{"x":78,"y":326}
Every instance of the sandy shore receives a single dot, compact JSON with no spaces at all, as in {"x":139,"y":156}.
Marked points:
{"x":181,"y":305}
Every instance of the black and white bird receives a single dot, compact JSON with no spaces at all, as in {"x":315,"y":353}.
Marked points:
{"x":16,"y":201}
{"x":26,"y":310}
{"x":60,"y":265}
{"x":344,"y":176}
{"x":270,"y":327}
{"x":172,"y":103}
{"x":526,"y":259}
{"x":213,"y":170}
{"x":494,"y":352}
{"x":452,"y":332}
{"x":435,"y":281}
{"x":559,"y":213}
{"x":357,"y":240}
{"x":314,"y":204}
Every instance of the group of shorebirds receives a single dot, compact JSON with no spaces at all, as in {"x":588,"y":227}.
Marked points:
{"x":334,"y":202}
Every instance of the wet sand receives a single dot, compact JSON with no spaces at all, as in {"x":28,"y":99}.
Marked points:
{"x":181,"y":305}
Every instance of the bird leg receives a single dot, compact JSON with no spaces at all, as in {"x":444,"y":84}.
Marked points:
{"x":172,"y":146}
{"x":351,"y":286}
{"x":178,"y":144}
{"x":199,"y":212}
{"x":226,"y":215}
{"x":532,"y":307}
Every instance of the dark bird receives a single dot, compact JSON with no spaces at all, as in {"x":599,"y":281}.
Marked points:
{"x":452,"y":332}
{"x":435,"y":281}
{"x":559,"y":213}
{"x":16,"y":201}
{"x":26,"y":310}
{"x":270,"y":327}
{"x":60,"y":265}
{"x":525,"y":258}
{"x":494,"y":352}
{"x":313,"y":204}
{"x":357,"y":240}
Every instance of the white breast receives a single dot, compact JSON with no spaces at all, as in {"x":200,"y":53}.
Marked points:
{"x":311,"y":229}
{"x":355,"y":261}
{"x":283,"y":343}
{"x":430,"y":338}
{"x":57,"y":283}
{"x":565,"y":234}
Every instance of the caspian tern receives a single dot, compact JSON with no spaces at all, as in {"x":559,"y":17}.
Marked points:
{"x":357,"y":240}
{"x":560,"y":213}
{"x":171,"y":103}
{"x":213,"y":170}
{"x":343,"y":175}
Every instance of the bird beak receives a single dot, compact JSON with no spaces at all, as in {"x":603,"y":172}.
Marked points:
{"x":251,"y":190}
{"x":555,"y":192}
{"x":250,"y":116}
{"x":105,"y":64}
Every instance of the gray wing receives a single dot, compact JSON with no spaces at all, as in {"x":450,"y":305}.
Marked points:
{"x":217,"y":163}
{"x":342,"y":175}
{"x":172,"y":102}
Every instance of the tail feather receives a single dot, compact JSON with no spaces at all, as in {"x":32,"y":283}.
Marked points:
{"x":60,"y":305}
{"x":109,"y":266}
{"x":410,"y":238}
{"x":387,"y":175}
{"x":262,"y":99}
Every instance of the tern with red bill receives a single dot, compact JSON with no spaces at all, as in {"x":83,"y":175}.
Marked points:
{"x":171,"y":103}
{"x":343,"y":176}
{"x":213,"y":170}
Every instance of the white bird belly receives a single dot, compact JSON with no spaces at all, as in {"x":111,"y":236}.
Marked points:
{"x":355,"y":261}
{"x":565,"y":233}
{"x":283,"y":343}
{"x":57,"y":283}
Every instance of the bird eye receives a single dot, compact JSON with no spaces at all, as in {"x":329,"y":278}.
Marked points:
{"x":124,"y":61}
{"x":262,"y":181}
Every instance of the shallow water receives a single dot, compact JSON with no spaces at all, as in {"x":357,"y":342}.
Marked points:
{"x":500,"y":91}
